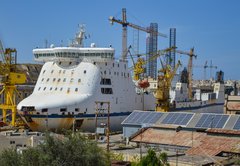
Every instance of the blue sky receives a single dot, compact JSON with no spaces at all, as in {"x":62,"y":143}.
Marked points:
{"x":211,"y":26}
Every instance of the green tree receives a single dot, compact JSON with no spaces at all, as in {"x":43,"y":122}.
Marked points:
{"x":151,"y":159}
{"x":74,"y":150}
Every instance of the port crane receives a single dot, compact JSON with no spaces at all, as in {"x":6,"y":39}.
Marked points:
{"x":138,"y":67}
{"x":124,"y":24}
{"x":9,"y":78}
{"x":190,"y":65}
{"x":162,"y":93}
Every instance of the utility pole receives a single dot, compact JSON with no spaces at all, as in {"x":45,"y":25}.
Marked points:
{"x":101,"y":108}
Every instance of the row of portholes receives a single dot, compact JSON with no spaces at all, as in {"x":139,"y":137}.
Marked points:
{"x":64,"y":71}
{"x":56,"y":88}
{"x":125,"y":66}
{"x":59,"y":79}
{"x":115,"y":73}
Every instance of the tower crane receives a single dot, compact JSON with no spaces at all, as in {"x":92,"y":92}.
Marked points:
{"x":9,"y":78}
{"x":190,"y":64}
{"x":124,"y":24}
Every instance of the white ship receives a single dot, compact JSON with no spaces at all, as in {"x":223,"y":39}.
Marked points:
{"x":72,"y":79}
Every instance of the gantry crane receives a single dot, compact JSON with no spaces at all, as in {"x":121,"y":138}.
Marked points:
{"x":9,"y":78}
{"x":162,"y":93}
{"x":124,"y":24}
{"x":190,"y":64}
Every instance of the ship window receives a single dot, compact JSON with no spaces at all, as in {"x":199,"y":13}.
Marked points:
{"x":59,"y":79}
{"x":60,"y":71}
{"x":70,"y":63}
{"x":44,"y":71}
{"x":106,"y":64}
{"x":64,"y":71}
{"x":128,"y":74}
{"x":39,"y":88}
{"x":64,"y":80}
{"x":63,"y":109}
{"x":109,"y":73}
{"x":68,"y":90}
{"x":76,"y":89}
{"x":52,"y":71}
{"x":61,"y":89}
{"x":118,"y":64}
{"x":71,"y":80}
{"x":117,"y":73}
{"x":105,"y":81}
{"x":44,"y":88}
{"x":44,"y":110}
{"x":105,"y":72}
{"x":42,"y":79}
{"x":51,"y":88}
{"x":114,"y":73}
{"x":76,"y":109}
{"x":113,"y":64}
{"x":79,"y":80}
{"x":125,"y":66}
{"x":106,"y":91}
{"x":54,"y":79}
{"x":47,"y":79}
{"x":84,"y":71}
{"x":60,"y":63}
{"x":72,"y":72}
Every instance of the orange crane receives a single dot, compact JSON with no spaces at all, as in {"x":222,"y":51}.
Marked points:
{"x":124,"y":24}
{"x":190,"y":64}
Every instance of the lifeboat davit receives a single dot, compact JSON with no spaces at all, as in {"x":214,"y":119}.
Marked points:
{"x":143,"y":84}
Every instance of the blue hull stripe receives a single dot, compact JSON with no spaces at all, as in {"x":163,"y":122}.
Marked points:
{"x":115,"y":114}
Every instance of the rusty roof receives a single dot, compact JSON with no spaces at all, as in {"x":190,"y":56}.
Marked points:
{"x":203,"y":144}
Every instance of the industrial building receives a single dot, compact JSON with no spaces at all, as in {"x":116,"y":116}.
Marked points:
{"x":212,"y":137}
{"x":20,"y":140}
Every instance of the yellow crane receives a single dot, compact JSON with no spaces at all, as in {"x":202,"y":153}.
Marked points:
{"x":9,"y":78}
{"x":190,"y":64}
{"x":138,"y":68}
{"x":124,"y":24}
{"x":164,"y":80}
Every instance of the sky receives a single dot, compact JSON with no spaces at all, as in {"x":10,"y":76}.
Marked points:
{"x":212,"y":27}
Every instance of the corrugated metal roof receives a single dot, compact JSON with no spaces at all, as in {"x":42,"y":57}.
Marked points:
{"x":199,"y":143}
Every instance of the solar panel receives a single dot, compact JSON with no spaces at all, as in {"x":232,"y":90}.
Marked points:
{"x":177,"y":118}
{"x":142,"y":117}
{"x":212,"y":121}
{"x":237,"y":125}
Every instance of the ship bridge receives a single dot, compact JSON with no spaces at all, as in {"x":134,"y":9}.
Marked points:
{"x":73,"y":54}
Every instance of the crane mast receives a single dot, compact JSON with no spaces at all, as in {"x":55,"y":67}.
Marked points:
{"x":9,"y":78}
{"x":190,"y":65}
{"x":124,"y":24}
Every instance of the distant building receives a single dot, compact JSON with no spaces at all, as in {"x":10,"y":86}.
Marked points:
{"x":151,"y":43}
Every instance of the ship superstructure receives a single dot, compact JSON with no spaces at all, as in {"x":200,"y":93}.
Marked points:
{"x":71,"y":81}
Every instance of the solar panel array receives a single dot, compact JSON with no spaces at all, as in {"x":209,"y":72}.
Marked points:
{"x":237,"y":125}
{"x":143,"y":117}
{"x":212,"y":121}
{"x":177,"y":118}
{"x":192,"y":120}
